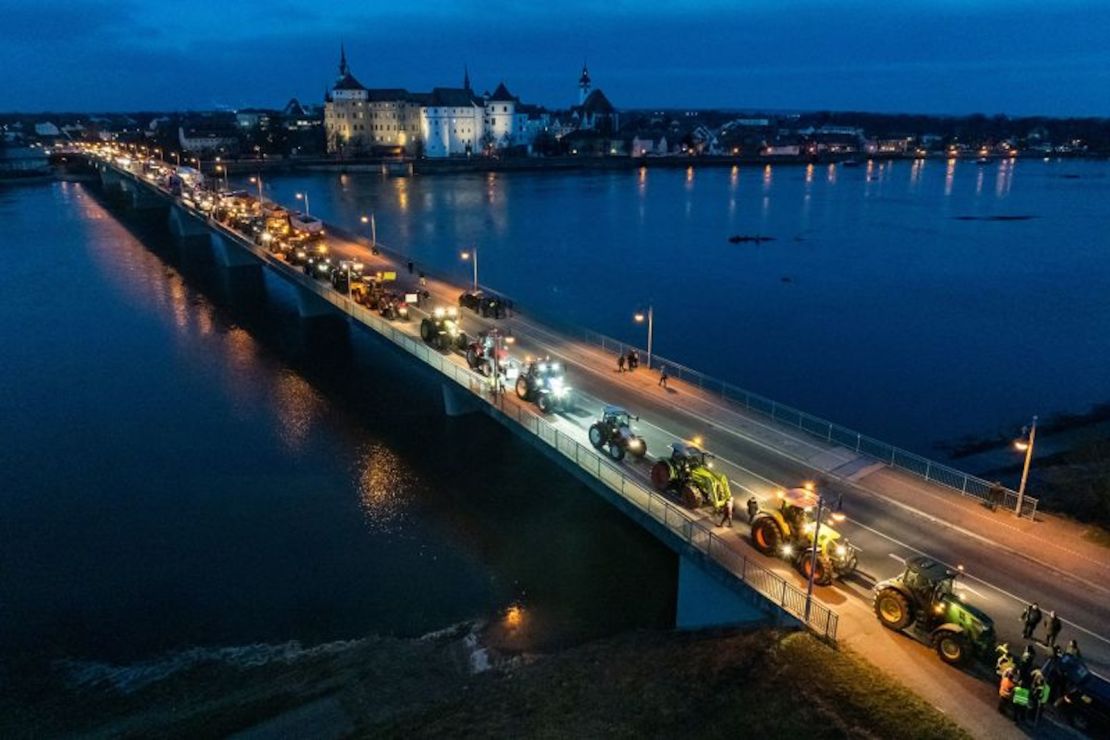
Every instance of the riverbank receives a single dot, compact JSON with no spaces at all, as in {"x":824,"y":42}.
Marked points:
{"x":644,"y":683}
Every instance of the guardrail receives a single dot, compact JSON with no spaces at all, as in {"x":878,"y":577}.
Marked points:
{"x":896,"y":457}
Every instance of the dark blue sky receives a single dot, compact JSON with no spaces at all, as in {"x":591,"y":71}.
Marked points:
{"x":958,"y":56}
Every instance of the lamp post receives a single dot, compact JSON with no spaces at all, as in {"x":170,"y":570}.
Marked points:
{"x":1025,"y":445}
{"x":821,"y":506}
{"x":304,"y":197}
{"x":223,"y":169}
{"x":650,"y":317}
{"x":472,"y":255}
{"x":258,"y":179}
{"x":373,"y":232}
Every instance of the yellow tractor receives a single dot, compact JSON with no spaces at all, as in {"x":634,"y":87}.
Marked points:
{"x":787,"y":532}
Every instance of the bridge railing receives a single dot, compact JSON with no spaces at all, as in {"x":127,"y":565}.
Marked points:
{"x":830,"y":432}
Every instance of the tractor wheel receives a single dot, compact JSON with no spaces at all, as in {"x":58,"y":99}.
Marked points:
{"x":597,"y":436}
{"x":951,"y":646}
{"x":893,"y":609}
{"x":616,"y":452}
{"x":661,"y":475}
{"x":766,"y":535}
{"x":691,"y":496}
{"x":471,"y":358}
{"x":522,"y":389}
{"x":426,"y":330}
{"x":639,"y":452}
{"x":823,"y":576}
{"x":546,"y":403}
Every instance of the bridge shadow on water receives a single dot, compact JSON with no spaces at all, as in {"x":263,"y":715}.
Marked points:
{"x":551,"y":563}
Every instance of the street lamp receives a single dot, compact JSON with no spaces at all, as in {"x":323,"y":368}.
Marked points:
{"x":650,"y":317}
{"x":1025,"y":445}
{"x":304,"y":197}
{"x":472,"y":254}
{"x":258,"y":179}
{"x":223,"y":169}
{"x":822,"y":505}
{"x":373,"y":232}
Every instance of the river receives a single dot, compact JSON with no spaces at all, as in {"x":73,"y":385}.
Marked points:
{"x":917,"y":302}
{"x":183,"y":463}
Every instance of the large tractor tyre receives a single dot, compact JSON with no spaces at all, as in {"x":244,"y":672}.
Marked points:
{"x":691,"y":496}
{"x":952,"y":647}
{"x":471,"y":358}
{"x":597,"y":435}
{"x":616,"y":452}
{"x":427,"y":331}
{"x":823,"y":575}
{"x":766,"y":535}
{"x":661,"y":475}
{"x":893,"y":609}
{"x":546,"y":403}
{"x":522,"y":389}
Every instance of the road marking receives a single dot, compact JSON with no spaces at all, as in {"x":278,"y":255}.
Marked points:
{"x":899,"y":558}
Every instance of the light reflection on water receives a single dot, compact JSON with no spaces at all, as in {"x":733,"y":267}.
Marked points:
{"x":384,"y":484}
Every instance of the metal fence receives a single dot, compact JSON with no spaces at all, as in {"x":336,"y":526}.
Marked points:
{"x":896,"y":457}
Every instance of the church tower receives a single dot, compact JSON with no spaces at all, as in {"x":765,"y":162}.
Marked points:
{"x":466,"y":77}
{"x":344,"y":70}
{"x":583,"y":85}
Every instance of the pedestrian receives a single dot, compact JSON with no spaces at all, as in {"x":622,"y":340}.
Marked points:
{"x":620,"y":363}
{"x":1021,"y":700}
{"x":753,"y":508}
{"x":663,"y":377}
{"x":994,"y":495}
{"x":410,"y":267}
{"x":1025,"y":665}
{"x":1040,"y":692}
{"x":633,"y":359}
{"x":1005,"y":691}
{"x":726,"y":513}
{"x":1073,"y":649}
{"x":1052,"y":628}
{"x":1031,"y":617}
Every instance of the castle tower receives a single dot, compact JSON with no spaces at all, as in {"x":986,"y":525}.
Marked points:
{"x":466,"y":77}
{"x":583,"y":84}
{"x":344,"y":70}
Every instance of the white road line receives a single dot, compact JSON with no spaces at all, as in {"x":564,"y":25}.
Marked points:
{"x":899,"y":558}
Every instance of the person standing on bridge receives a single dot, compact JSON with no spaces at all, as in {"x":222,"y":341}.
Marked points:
{"x":1052,"y":628}
{"x":753,"y":508}
{"x":663,"y":377}
{"x":1031,"y":617}
{"x":1005,"y":691}
{"x":620,"y":362}
{"x":1073,"y":649}
{"x":726,"y":513}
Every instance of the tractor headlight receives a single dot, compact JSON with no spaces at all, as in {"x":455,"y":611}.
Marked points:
{"x":635,"y":443}
{"x":841,"y":551}
{"x":403,"y":311}
{"x":788,"y":550}
{"x":560,"y":391}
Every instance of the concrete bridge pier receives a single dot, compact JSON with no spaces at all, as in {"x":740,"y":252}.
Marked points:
{"x":230,"y":255}
{"x":312,"y":306}
{"x":185,"y":227}
{"x":140,"y":197}
{"x":706,"y":601}
{"x":459,"y":402}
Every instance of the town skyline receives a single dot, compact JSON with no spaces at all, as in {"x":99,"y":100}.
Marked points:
{"x":961,"y":59}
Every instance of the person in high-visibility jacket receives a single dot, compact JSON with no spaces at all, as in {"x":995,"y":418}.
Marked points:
{"x":1005,"y":691}
{"x":1021,"y":702}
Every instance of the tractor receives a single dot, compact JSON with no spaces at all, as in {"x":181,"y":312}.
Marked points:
{"x":787,"y":532}
{"x":484,"y":304}
{"x":441,"y":330}
{"x":614,"y":434}
{"x":922,"y":601}
{"x":689,"y":472}
{"x":346,"y":275}
{"x":481,"y":352}
{"x":392,"y":306}
{"x":543,"y":382}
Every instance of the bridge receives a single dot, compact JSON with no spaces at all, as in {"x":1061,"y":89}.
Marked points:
{"x":898,"y":504}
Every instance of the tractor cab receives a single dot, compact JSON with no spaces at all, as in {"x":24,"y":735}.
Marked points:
{"x":614,"y":433}
{"x":544,"y":382}
{"x":617,"y":417}
{"x":690,"y":456}
{"x":346,"y":274}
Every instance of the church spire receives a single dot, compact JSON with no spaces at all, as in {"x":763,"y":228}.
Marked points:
{"x":466,"y":77}
{"x":344,"y":70}
{"x":583,"y":84}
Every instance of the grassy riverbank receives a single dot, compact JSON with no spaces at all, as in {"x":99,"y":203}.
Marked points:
{"x":653,"y":684}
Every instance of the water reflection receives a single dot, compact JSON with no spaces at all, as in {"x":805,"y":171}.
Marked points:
{"x":384,"y":482}
{"x":949,"y":176}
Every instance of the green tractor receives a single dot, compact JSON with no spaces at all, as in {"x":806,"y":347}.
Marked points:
{"x":923,"y":603}
{"x":689,"y":472}
{"x":787,"y":532}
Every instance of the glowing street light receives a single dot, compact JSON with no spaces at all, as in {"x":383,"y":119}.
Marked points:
{"x":373,"y":232}
{"x":1025,"y":444}
{"x":223,"y":169}
{"x":304,"y":197}
{"x":650,"y":317}
{"x":258,"y":179}
{"x":837,"y":516}
{"x":472,"y":254}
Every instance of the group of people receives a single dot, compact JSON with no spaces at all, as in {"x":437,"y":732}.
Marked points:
{"x":629,"y":359}
{"x":1023,"y":687}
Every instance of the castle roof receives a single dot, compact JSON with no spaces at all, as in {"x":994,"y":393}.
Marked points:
{"x":502,"y":94}
{"x":451,"y":97}
{"x":347,"y":82}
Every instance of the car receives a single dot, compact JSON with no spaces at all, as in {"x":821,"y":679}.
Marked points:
{"x":484,"y":304}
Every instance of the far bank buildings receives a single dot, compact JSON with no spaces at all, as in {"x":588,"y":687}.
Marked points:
{"x":448,"y":121}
